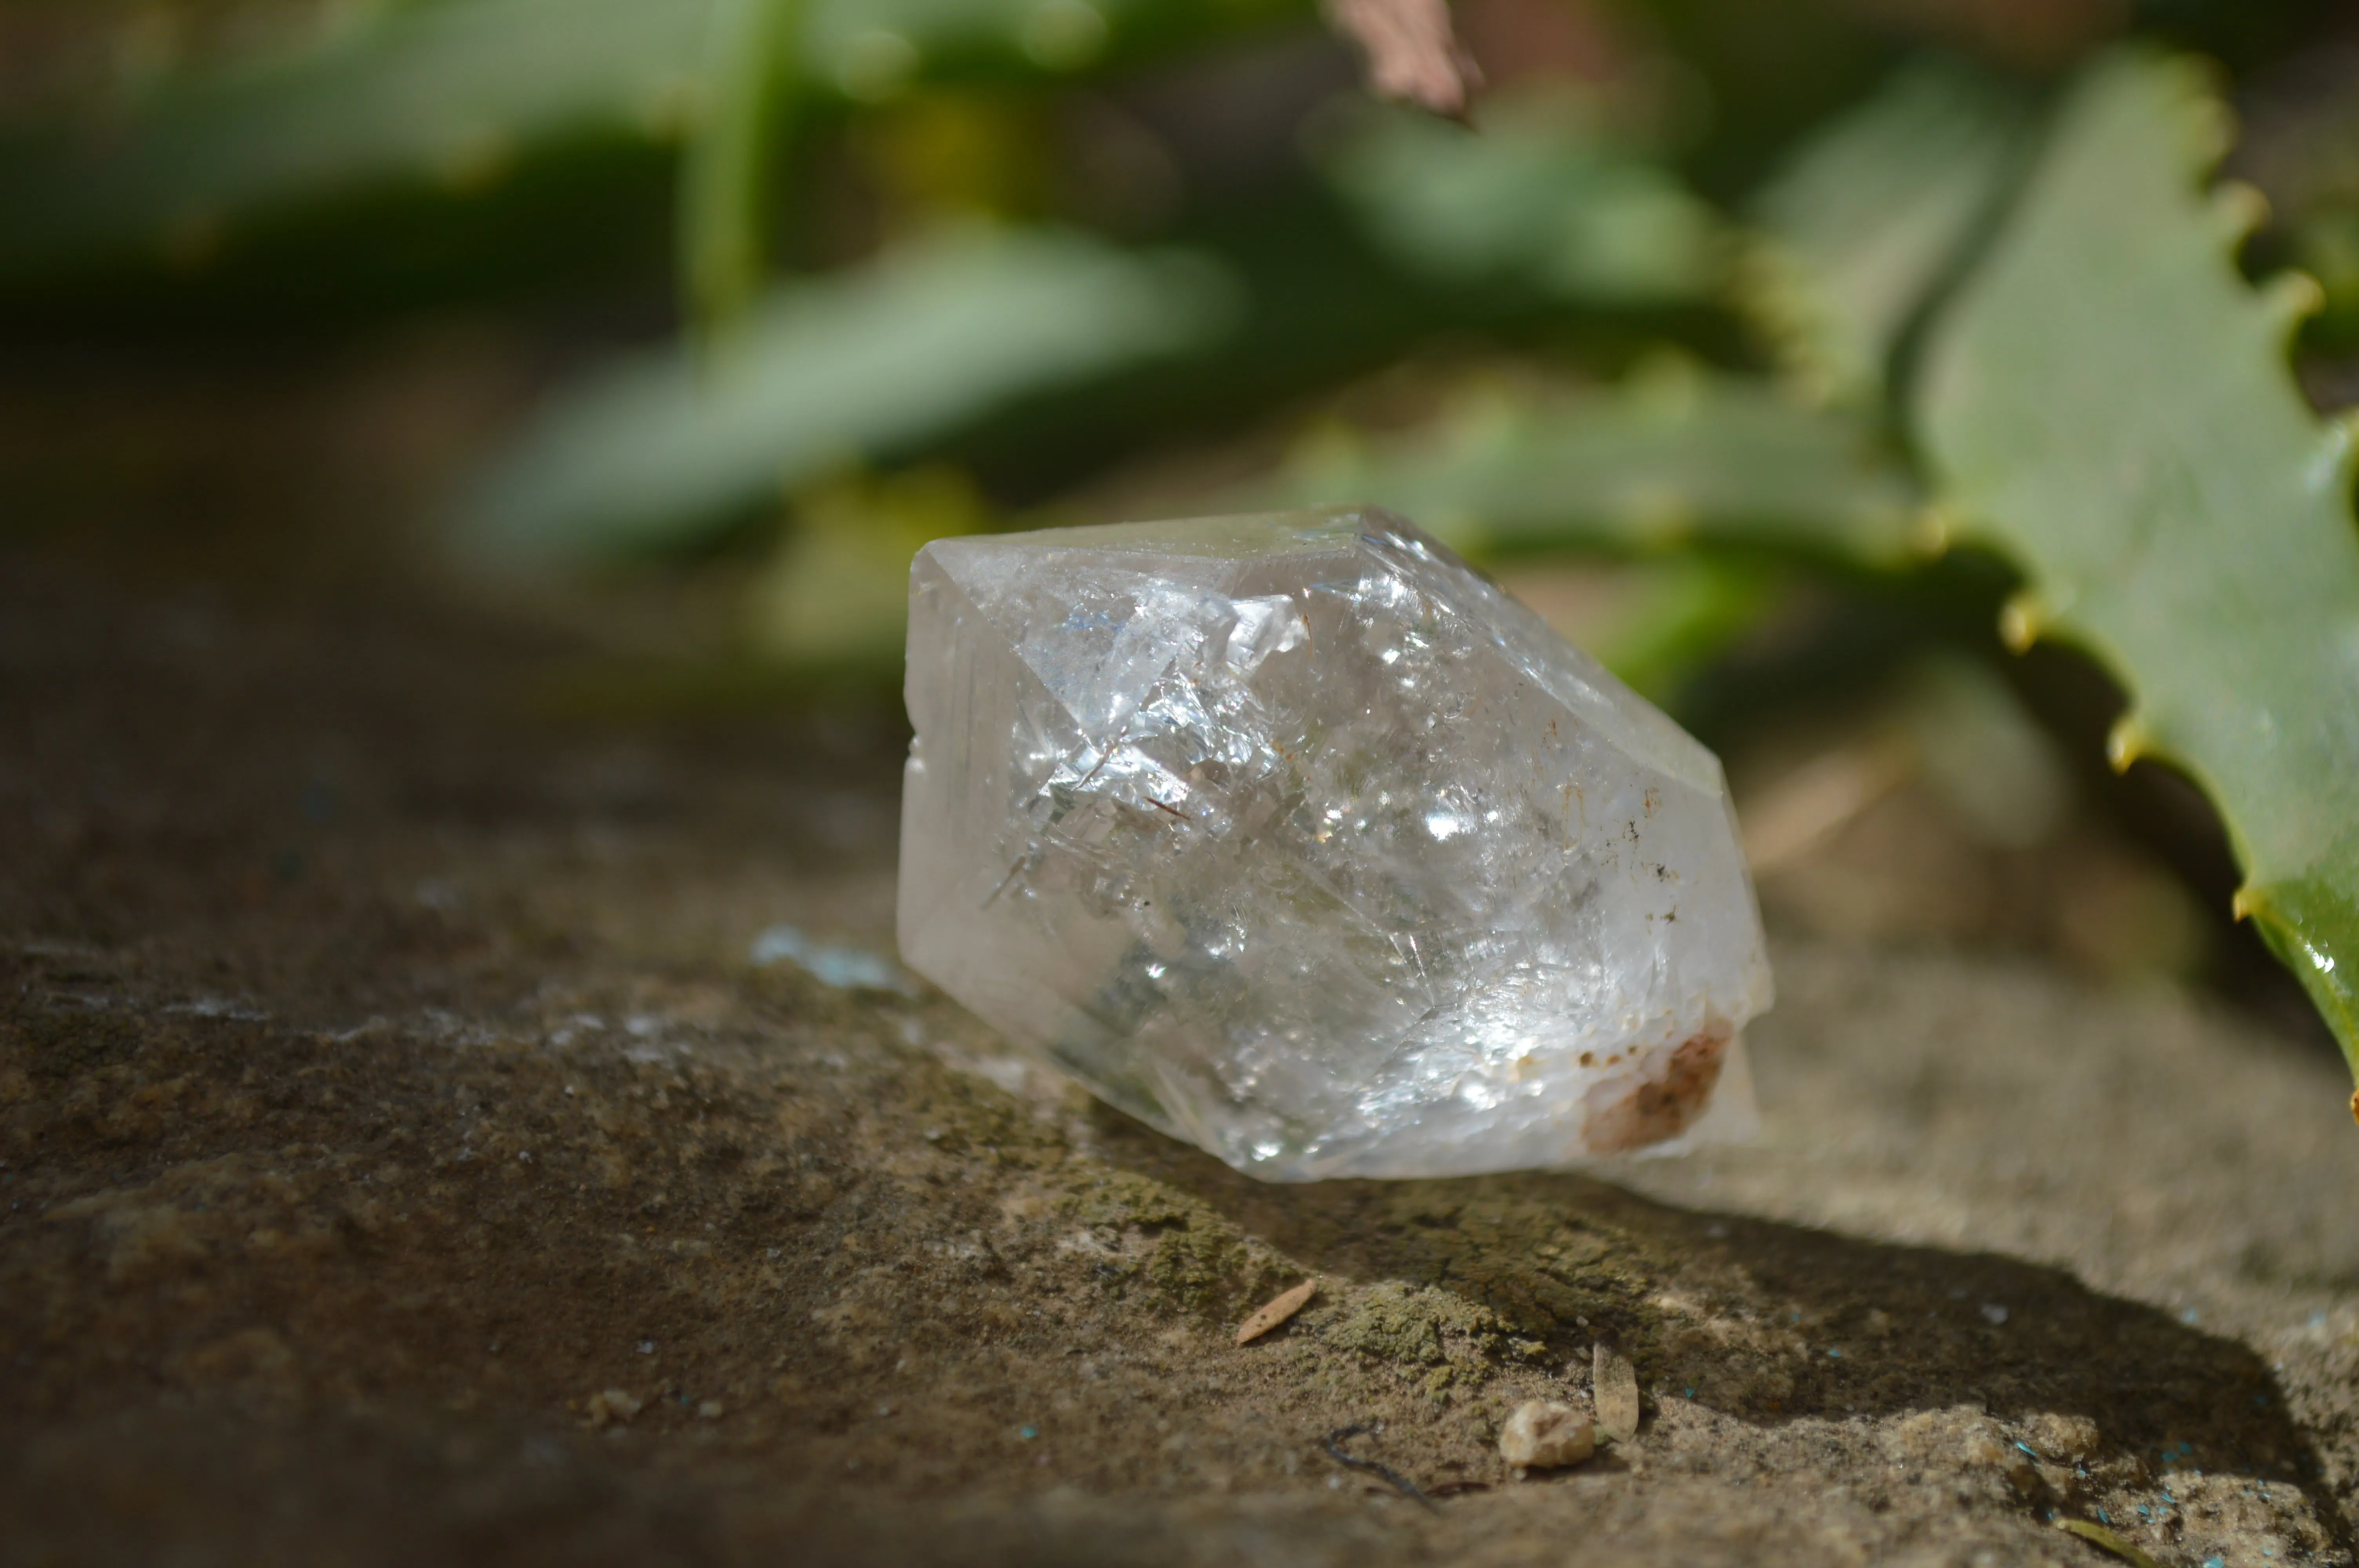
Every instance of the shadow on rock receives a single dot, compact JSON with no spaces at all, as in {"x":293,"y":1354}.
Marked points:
{"x":1769,"y":1323}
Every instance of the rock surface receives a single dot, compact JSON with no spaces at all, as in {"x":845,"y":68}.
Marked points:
{"x":387,"y":1085}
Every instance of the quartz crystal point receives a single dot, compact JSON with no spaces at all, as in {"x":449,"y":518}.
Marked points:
{"x":1296,"y":837}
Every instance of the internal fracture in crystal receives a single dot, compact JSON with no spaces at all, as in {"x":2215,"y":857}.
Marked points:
{"x":1296,"y":837}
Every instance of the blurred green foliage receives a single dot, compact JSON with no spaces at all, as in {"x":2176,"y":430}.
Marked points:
{"x":1775,"y":301}
{"x":1871,"y":215}
{"x":872,"y":363}
{"x":1674,"y":458}
{"x":751,"y":69}
{"x":1545,"y":195}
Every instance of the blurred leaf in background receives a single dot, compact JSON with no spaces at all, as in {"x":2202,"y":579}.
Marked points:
{"x":1675,"y":457}
{"x":729,"y":165}
{"x":869,"y":363}
{"x":457,"y":92}
{"x":1541,"y":195}
{"x":1872,"y":215}
{"x":834,"y":590}
{"x":449,"y":94}
{"x":1655,"y":623}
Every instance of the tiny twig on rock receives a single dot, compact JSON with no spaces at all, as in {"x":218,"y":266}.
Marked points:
{"x":1391,"y":1477}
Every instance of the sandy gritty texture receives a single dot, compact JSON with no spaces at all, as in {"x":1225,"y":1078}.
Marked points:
{"x":402,"y":1160}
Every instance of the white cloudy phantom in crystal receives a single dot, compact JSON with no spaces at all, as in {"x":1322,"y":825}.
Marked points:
{"x":1298,"y":839}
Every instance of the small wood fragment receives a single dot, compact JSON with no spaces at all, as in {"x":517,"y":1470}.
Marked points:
{"x":1614,"y":1391}
{"x":1412,"y":53}
{"x":1273,"y":1313}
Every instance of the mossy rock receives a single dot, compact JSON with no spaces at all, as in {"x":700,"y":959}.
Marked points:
{"x":1412,"y":1325}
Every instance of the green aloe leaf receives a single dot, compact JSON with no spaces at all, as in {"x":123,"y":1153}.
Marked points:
{"x":456,"y":92}
{"x":1870,"y":217}
{"x":661,"y":451}
{"x":1671,"y":459}
{"x":2109,"y":403}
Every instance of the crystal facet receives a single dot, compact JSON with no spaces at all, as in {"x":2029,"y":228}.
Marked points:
{"x":1296,"y":837}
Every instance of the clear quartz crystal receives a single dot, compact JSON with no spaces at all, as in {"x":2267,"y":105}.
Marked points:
{"x":1296,"y":837}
